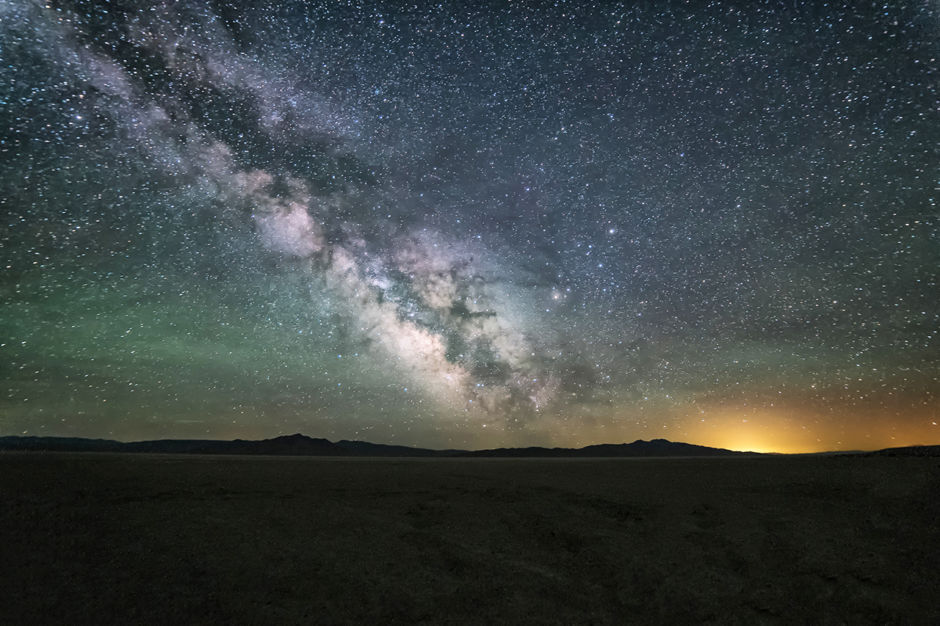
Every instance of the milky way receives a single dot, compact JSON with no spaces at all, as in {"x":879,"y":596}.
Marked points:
{"x":447,"y":225}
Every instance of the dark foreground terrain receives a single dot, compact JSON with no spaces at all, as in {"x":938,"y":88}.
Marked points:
{"x":112,"y":538}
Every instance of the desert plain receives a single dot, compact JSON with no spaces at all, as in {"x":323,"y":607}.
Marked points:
{"x":147,"y":539}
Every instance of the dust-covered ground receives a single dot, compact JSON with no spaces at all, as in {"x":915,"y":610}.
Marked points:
{"x":156,"y":539}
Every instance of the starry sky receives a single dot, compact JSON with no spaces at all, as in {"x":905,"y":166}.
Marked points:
{"x":472,"y":224}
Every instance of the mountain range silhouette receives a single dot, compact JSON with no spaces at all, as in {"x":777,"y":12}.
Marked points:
{"x":302,"y":445}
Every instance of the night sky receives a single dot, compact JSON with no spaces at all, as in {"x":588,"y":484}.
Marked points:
{"x":520,"y":224}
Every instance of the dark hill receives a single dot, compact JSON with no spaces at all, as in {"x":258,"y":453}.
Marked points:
{"x":295,"y":445}
{"x":908,"y":451}
{"x":365,"y":448}
{"x":639,"y":448}
{"x":656,"y":447}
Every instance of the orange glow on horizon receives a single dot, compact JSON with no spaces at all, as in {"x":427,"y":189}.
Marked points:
{"x":784,"y":432}
{"x":792,"y":428}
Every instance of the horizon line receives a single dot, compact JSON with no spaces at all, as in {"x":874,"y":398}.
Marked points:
{"x":496,"y":448}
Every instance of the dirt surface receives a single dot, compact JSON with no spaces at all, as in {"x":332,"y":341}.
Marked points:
{"x":110,"y":538}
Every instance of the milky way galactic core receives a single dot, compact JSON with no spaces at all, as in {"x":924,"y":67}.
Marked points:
{"x":472,"y":225}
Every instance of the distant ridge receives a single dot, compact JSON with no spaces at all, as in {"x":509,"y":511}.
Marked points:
{"x":639,"y":448}
{"x":907,"y":451}
{"x":301,"y":445}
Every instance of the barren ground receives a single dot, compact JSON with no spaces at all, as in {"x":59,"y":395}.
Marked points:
{"x":111,"y":538}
